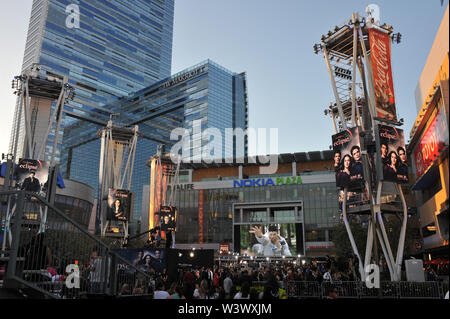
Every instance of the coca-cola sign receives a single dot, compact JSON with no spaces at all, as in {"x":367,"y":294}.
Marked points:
{"x":431,"y":144}
{"x":382,"y":74}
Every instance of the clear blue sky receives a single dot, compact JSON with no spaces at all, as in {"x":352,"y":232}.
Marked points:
{"x":288,"y":85}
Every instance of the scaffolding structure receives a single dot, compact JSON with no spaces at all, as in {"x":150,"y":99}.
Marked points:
{"x":164,"y":176}
{"x":118,"y":150}
{"x":347,"y":53}
{"x":31,"y":84}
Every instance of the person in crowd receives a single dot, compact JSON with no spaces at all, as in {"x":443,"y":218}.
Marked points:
{"x":95,"y":271}
{"x":124,"y":290}
{"x":333,"y":293}
{"x":327,"y":275}
{"x":244,"y":293}
{"x":273,"y":243}
{"x":227,"y":284}
{"x":160,"y":292}
{"x":37,"y":254}
{"x":175,"y":291}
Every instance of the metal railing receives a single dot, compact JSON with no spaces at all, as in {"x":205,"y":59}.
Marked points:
{"x":359,"y":290}
{"x":47,"y":254}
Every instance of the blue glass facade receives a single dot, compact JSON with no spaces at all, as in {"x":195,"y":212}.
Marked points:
{"x":121,"y":46}
{"x":205,"y":92}
{"x":119,"y":62}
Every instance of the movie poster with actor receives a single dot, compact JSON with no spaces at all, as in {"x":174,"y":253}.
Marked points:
{"x":393,"y":154}
{"x":32,"y":176}
{"x":119,"y":205}
{"x":347,"y":160}
{"x":147,"y":260}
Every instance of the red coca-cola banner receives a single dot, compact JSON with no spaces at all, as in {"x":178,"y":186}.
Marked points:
{"x":200,"y":216}
{"x":431,"y":144}
{"x":380,"y":52}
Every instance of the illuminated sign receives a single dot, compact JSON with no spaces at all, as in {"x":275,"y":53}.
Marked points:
{"x":184,"y":77}
{"x":431,"y":144}
{"x":257,"y":182}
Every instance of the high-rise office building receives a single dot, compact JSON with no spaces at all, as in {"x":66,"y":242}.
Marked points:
{"x":206,"y":93}
{"x":119,"y":62}
{"x":106,"y":48}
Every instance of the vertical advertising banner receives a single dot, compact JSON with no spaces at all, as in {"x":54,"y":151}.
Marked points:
{"x":119,"y":205}
{"x":32,"y":175}
{"x":347,"y":159}
{"x":167,"y":215}
{"x":393,"y":154}
{"x":380,"y":52}
{"x":431,"y":144}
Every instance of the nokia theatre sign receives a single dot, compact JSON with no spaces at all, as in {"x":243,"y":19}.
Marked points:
{"x":256,"y":182}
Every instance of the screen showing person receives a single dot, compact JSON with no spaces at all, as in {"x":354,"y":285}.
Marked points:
{"x":268,"y":241}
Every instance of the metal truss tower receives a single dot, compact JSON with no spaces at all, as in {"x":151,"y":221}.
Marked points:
{"x":348,"y":52}
{"x":118,"y":150}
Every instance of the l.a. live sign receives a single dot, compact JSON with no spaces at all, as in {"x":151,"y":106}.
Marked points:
{"x":431,"y":144}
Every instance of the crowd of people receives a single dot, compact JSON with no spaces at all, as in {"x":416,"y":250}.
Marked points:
{"x":236,"y":280}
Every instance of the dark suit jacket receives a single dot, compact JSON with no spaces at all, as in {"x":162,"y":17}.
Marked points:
{"x":31,"y":185}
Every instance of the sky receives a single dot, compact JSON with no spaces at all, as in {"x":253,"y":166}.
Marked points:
{"x":272,"y":41}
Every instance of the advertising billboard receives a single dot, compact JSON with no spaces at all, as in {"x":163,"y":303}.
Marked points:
{"x":167,"y":215}
{"x":147,"y":260}
{"x":119,"y":205}
{"x":431,"y":144}
{"x":393,"y":154}
{"x":347,"y":159}
{"x":380,"y":52}
{"x":270,"y":240}
{"x":32,"y":175}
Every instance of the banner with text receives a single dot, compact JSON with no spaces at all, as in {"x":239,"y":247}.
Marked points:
{"x":380,"y":48}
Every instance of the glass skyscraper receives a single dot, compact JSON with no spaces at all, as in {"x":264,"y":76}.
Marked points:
{"x":120,"y":46}
{"x":119,"y":62}
{"x":206,"y":93}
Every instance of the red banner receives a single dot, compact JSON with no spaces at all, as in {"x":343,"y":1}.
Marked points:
{"x":431,"y":144}
{"x":200,"y":216}
{"x":380,"y":52}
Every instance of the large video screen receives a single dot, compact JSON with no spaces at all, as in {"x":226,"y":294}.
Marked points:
{"x":271,"y":240}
